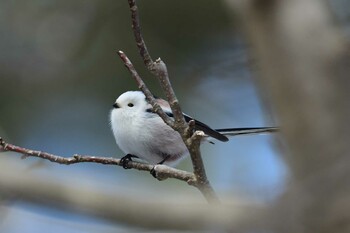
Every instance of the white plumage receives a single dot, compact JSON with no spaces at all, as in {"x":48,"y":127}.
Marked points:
{"x":143,"y":133}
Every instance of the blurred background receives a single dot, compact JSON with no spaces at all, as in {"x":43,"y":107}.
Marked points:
{"x":60,"y":75}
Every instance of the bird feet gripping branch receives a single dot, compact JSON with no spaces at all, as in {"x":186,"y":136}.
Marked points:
{"x":126,"y":159}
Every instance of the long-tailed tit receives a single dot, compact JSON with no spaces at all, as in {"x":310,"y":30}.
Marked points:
{"x":141,"y":133}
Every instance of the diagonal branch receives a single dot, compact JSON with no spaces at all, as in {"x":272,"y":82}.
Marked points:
{"x":159,"y":69}
{"x":138,"y":36}
{"x":202,"y":183}
{"x":142,"y":86}
{"x":163,"y":172}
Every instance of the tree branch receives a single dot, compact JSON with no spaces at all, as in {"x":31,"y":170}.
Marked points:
{"x":202,"y":183}
{"x":163,"y":172}
{"x":159,"y":69}
{"x":142,"y":86}
{"x":138,"y":36}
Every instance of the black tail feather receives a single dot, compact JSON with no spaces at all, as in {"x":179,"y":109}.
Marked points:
{"x":247,"y":130}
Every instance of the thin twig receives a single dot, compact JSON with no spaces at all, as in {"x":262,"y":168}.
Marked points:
{"x":138,"y":36}
{"x":163,"y":172}
{"x":142,"y":86}
{"x":202,"y":183}
{"x":159,"y":69}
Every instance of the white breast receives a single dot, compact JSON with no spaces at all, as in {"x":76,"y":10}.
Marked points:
{"x":147,"y":137}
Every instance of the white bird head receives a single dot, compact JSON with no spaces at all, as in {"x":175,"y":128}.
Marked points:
{"x":131,"y":101}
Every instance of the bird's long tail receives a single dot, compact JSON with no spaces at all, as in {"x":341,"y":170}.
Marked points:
{"x":249,"y":130}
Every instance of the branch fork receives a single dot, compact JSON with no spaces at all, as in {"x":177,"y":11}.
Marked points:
{"x":191,"y":138}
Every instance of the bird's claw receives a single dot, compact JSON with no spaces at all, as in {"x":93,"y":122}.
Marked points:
{"x":153,"y":172}
{"x":126,"y":159}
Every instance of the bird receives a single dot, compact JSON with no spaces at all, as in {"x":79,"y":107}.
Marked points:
{"x":141,"y":133}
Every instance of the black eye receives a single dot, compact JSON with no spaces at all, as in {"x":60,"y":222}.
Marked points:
{"x":130,"y":104}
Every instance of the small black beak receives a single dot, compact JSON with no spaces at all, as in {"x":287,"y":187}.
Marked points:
{"x":116,"y":105}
